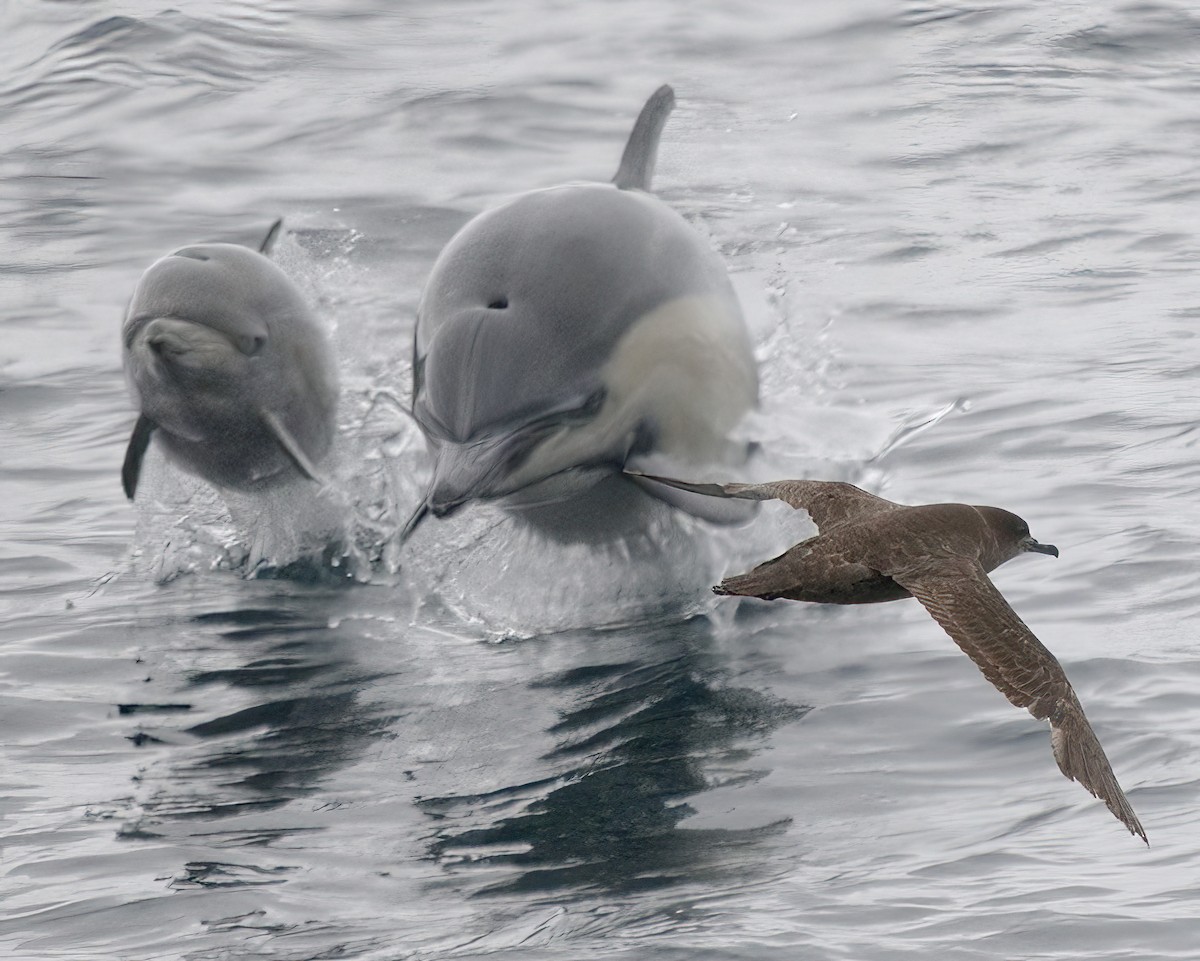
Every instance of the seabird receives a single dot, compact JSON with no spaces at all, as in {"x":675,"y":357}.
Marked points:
{"x":869,"y":550}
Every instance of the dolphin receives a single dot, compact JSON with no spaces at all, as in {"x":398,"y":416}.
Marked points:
{"x":570,"y":332}
{"x":229,"y":369}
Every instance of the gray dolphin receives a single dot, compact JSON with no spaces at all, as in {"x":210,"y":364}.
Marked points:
{"x":231,"y":372}
{"x":571,"y":330}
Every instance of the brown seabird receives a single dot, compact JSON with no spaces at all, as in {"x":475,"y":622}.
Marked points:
{"x":869,"y":549}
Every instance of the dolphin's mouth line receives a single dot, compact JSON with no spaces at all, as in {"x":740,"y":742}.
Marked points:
{"x":490,"y":459}
{"x":606,"y":464}
{"x":501,"y":455}
{"x":248,"y":344}
{"x":571,"y":411}
{"x":448,"y":508}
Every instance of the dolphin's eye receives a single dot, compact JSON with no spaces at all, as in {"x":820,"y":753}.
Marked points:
{"x":500,"y":303}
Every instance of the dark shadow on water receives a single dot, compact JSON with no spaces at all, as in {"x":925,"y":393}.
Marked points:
{"x":643,"y":737}
{"x":306,"y":718}
{"x":334,"y":565}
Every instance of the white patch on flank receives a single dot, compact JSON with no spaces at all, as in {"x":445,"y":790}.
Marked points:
{"x":685,"y":367}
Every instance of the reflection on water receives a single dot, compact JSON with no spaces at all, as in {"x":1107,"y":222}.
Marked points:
{"x":304,"y":717}
{"x":638,"y":739}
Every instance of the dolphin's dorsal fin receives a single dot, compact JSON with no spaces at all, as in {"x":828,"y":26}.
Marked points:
{"x":290,"y":446}
{"x":139,"y":440}
{"x":641,"y":151}
{"x":269,"y":240}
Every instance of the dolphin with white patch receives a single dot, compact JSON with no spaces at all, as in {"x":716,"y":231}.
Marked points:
{"x":570,"y":332}
{"x":232,"y":373}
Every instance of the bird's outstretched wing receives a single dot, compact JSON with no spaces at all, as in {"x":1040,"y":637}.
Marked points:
{"x":827,"y":502}
{"x":959,"y":595}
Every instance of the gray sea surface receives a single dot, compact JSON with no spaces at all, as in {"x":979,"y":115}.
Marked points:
{"x":965,"y":239}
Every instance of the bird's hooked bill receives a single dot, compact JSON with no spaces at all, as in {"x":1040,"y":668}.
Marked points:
{"x":1030,"y":544}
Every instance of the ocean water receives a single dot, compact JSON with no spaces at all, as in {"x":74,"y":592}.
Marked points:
{"x":964,"y":237}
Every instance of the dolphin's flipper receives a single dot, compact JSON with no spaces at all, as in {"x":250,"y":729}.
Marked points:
{"x":272,"y":235}
{"x":138,"y":442}
{"x":705,"y":501}
{"x":289,"y":446}
{"x":637,"y":162}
